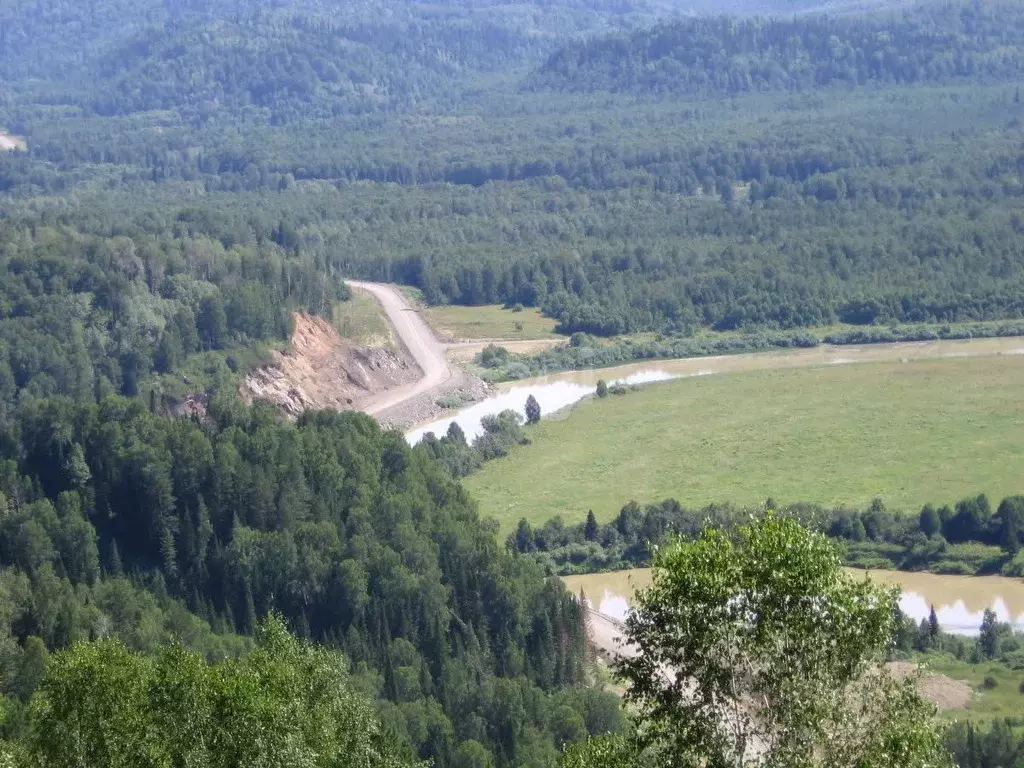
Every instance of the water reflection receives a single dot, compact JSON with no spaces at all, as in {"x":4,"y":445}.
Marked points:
{"x":551,"y":395}
{"x":560,"y":390}
{"x":960,"y":601}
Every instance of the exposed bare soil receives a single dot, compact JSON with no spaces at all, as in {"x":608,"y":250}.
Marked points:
{"x":942,"y":691}
{"x":320,"y":370}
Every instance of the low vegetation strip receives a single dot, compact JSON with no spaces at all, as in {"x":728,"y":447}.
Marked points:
{"x":909,"y":433}
{"x":492,"y":321}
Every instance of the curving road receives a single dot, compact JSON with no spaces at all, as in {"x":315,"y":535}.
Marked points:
{"x":416,"y":337}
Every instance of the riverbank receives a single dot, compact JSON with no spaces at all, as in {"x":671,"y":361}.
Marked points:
{"x":588,"y":352}
{"x":815,"y":428}
{"x":959,"y":601}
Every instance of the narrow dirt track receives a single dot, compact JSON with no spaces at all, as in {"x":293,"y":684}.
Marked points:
{"x":417,"y":337}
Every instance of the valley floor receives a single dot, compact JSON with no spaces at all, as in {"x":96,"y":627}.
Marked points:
{"x":908,"y":432}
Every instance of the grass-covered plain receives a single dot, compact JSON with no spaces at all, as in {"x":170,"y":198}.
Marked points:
{"x":908,"y":433}
{"x":362,"y":320}
{"x":490,"y":322}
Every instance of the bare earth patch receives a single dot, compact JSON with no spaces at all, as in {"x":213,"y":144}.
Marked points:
{"x":321,"y":370}
{"x":942,"y":691}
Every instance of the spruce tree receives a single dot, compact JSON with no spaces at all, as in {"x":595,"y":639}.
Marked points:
{"x":532,"y":410}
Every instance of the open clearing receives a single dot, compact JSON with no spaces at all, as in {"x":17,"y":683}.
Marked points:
{"x":907,"y":432}
{"x":362,"y":321}
{"x":455,"y":323}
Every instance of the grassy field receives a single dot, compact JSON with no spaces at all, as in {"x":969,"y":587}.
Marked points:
{"x":908,"y":433}
{"x":362,"y":319}
{"x":489,"y":322}
{"x":1003,"y":700}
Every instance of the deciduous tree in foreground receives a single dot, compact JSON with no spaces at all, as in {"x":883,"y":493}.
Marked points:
{"x":286,"y":703}
{"x":758,"y":650}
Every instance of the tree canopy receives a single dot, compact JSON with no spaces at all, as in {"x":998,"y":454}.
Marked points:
{"x":756,"y":649}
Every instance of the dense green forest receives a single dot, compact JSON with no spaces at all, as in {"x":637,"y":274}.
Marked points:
{"x":723,"y":55}
{"x":197,"y":171}
{"x":614,"y":210}
{"x":119,"y":521}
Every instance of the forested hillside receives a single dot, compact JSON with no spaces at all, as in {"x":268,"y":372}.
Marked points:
{"x":944,"y":43}
{"x":197,"y":171}
{"x":357,"y":540}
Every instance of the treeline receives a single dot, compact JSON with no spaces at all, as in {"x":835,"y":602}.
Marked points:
{"x":931,"y":43}
{"x":90,"y":308}
{"x":974,"y":745}
{"x":460,"y":457}
{"x":585,"y":351}
{"x":968,"y":537}
{"x":360,"y":542}
{"x":403,"y":150}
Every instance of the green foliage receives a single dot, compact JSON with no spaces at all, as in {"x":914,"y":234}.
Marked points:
{"x":997,"y":745}
{"x":360,"y":542}
{"x":604,"y":752}
{"x":532,"y":410}
{"x":769,"y":648}
{"x":724,"y":55}
{"x":872,"y":537}
{"x":501,"y":432}
{"x":493,"y":356}
{"x":283,"y":703}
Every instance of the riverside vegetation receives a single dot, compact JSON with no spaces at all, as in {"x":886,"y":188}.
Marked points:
{"x":969,"y":537}
{"x":193,"y":173}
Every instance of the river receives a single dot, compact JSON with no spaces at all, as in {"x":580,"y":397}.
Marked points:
{"x":959,"y":601}
{"x":561,"y":390}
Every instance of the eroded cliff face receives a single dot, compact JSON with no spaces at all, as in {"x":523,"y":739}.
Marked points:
{"x":321,"y":370}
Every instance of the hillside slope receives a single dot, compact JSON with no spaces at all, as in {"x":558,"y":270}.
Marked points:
{"x":320,"y":370}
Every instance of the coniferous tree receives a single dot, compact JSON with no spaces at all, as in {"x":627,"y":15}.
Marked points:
{"x":532,"y":410}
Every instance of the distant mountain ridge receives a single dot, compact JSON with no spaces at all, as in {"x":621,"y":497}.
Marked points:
{"x":931,"y":44}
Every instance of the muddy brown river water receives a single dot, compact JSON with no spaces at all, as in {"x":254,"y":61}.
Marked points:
{"x":959,"y":601}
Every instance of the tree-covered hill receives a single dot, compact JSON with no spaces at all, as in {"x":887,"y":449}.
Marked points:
{"x":360,"y":542}
{"x":942,"y":43}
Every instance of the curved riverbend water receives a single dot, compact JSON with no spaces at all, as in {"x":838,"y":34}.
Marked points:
{"x":960,"y":601}
{"x":560,"y":390}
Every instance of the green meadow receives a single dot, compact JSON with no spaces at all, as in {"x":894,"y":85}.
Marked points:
{"x":908,"y":433}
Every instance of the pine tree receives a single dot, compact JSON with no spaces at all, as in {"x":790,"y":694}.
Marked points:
{"x":933,"y":624}
{"x":532,"y":410}
{"x":586,"y":630}
{"x":590,"y":530}
{"x":249,"y":617}
{"x":114,"y":567}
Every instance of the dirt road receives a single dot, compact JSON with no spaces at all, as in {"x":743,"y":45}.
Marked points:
{"x":418,"y":339}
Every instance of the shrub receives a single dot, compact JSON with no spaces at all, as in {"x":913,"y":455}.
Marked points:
{"x":990,"y":682}
{"x":493,"y":356}
{"x":518,"y":371}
